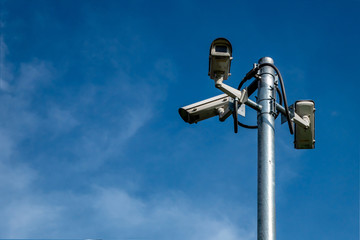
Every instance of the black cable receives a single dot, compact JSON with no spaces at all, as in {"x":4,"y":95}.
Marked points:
{"x":246,"y":78}
{"x":247,"y":126}
{"x":255,"y":126}
{"x":242,"y":83}
{"x":280,"y":97}
{"x":283,"y":93}
{"x":280,"y":100}
{"x":252,"y":87}
{"x":235,"y":115}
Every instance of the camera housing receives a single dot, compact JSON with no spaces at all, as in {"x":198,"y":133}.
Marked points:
{"x":305,"y":137}
{"x":196,"y":112}
{"x":220,"y":57}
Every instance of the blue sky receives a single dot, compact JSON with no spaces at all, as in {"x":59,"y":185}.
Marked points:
{"x":92,"y":146}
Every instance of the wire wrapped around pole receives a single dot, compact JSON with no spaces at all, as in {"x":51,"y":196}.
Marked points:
{"x":283,"y":94}
{"x":249,"y":75}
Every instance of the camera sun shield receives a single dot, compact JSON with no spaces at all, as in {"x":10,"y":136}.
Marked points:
{"x":220,"y":58}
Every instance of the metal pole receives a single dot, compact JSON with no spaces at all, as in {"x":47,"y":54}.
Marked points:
{"x":266,"y":153}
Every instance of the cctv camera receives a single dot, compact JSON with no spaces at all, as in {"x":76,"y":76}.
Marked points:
{"x":220,"y":58}
{"x":196,"y":112}
{"x":305,"y":137}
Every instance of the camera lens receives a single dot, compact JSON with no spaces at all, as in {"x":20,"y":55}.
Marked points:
{"x":221,"y":49}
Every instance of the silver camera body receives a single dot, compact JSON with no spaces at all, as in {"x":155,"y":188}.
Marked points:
{"x":196,"y":112}
{"x":220,"y":58}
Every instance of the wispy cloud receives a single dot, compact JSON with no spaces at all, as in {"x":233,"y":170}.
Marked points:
{"x":5,"y":72}
{"x":120,"y":109}
{"x":164,"y":217}
{"x":114,"y":213}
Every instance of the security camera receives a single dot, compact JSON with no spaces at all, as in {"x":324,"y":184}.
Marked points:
{"x":305,"y":136}
{"x":196,"y":112}
{"x":220,"y":58}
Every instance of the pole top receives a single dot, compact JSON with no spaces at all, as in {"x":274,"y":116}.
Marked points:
{"x":266,"y":60}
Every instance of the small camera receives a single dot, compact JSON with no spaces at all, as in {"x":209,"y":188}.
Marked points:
{"x":305,"y":137}
{"x":220,"y":58}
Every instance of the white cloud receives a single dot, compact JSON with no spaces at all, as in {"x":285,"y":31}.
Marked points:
{"x":114,"y":213}
{"x":334,"y":113}
{"x":15,"y":178}
{"x":107,"y":138}
{"x":61,"y":120}
{"x":28,"y":218}
{"x":166,"y":69}
{"x":5,"y":72}
{"x":170,"y":216}
{"x":17,"y":117}
{"x":96,"y":140}
{"x":33,"y":75}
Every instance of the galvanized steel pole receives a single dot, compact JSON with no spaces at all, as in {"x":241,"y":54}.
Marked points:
{"x":266,"y":152}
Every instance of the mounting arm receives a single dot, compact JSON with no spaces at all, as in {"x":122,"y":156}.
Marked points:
{"x":230,"y":91}
{"x":303,"y":122}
